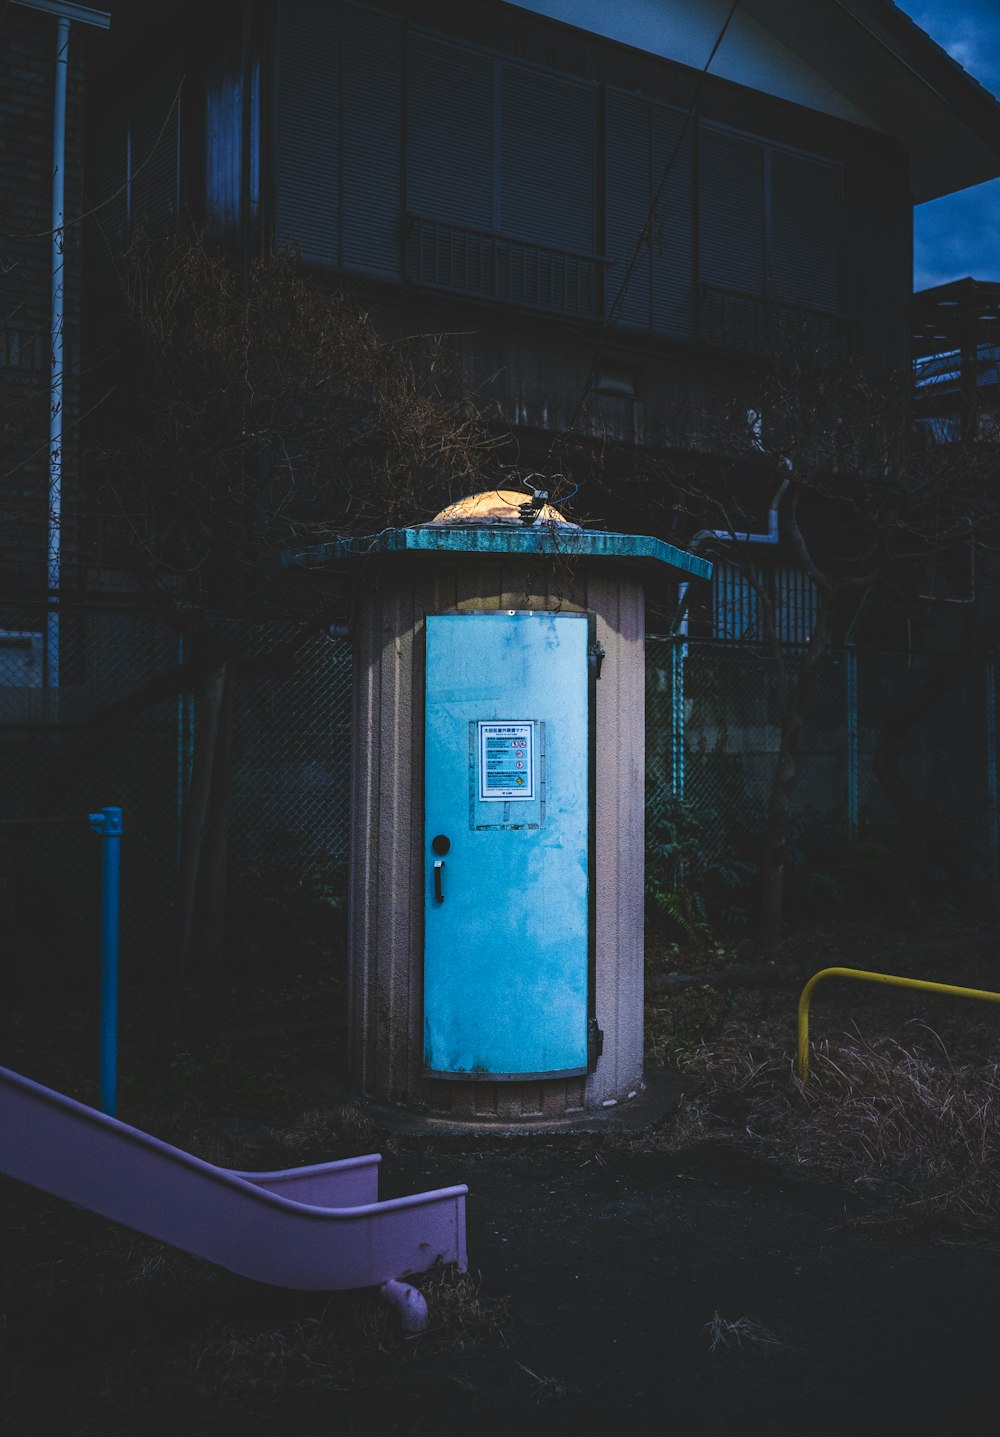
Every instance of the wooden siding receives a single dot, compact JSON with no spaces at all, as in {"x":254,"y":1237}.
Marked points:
{"x":387,"y":879}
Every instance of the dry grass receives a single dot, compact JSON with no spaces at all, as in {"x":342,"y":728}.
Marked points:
{"x":546,"y":1388}
{"x":920,"y":1132}
{"x":354,"y":1347}
{"x":737,"y":1332}
{"x":462,"y":1316}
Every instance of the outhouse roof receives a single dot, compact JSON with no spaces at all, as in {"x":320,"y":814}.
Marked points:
{"x":539,"y":538}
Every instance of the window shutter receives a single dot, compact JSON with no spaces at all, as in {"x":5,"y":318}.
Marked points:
{"x":450,"y":133}
{"x":307,"y":131}
{"x":372,"y":80}
{"x":628,"y":197}
{"x":672,"y":230}
{"x":644,"y":144}
{"x":805,"y":231}
{"x":547,"y":167}
{"x":731,"y":211}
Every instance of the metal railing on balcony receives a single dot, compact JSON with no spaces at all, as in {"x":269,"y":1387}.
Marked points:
{"x":761,"y":325}
{"x":468,"y":261}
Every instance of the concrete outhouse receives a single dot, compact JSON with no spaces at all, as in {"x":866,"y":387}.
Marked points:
{"x":496,"y":883}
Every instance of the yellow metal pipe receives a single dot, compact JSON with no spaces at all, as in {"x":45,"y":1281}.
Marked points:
{"x":860,"y":976}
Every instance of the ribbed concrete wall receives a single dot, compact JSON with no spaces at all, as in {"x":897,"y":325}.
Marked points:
{"x":392,"y":598}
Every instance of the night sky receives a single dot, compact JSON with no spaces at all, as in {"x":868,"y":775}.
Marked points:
{"x":960,"y":234}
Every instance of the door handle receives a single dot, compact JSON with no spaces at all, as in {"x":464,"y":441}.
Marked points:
{"x":438,"y":885}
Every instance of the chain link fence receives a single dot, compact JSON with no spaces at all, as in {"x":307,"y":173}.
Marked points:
{"x":713,"y":735}
{"x":121,"y":728}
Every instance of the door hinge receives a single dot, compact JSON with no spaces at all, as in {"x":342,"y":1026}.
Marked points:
{"x":597,"y":653}
{"x":595,"y":1042}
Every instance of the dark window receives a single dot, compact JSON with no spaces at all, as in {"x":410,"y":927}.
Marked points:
{"x":733,"y":218}
{"x":501,"y":179}
{"x":488,"y":185}
{"x":450,"y":133}
{"x":338,"y":89}
{"x":769,"y":253}
{"x":650,"y":216}
{"x":307,"y":132}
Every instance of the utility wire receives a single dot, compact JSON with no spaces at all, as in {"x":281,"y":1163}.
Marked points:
{"x":109,"y":199}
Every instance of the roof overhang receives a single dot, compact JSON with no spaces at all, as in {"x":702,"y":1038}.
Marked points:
{"x":551,"y":540}
{"x":894,"y":72}
{"x":68,"y":10}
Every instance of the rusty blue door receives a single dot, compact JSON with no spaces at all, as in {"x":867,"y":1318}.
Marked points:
{"x":506,"y":844}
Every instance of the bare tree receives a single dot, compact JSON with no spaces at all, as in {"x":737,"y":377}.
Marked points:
{"x":267,"y":411}
{"x":863,"y":503}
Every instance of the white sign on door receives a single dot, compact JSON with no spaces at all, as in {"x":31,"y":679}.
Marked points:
{"x":506,"y":762}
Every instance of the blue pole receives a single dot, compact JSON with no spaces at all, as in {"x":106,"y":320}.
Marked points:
{"x":108,"y":823}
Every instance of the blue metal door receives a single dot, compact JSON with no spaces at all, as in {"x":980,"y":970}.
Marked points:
{"x":507,"y":844}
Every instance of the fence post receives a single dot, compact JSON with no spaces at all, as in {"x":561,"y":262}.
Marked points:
{"x":108,"y":824}
{"x":990,"y":681}
{"x":678,"y":654}
{"x":853,"y":744}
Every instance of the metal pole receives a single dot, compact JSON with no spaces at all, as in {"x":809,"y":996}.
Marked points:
{"x":58,"y":265}
{"x":108,"y":823}
{"x":678,"y":656}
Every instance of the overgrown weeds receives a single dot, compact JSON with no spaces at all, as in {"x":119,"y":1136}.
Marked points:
{"x":914,"y":1129}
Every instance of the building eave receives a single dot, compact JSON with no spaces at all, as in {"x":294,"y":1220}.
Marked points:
{"x":913,"y":90}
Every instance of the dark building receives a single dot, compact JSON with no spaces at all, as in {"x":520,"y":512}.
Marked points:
{"x":956,"y":351}
{"x":626,"y":208}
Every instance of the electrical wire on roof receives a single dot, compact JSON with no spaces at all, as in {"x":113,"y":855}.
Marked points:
{"x":531,"y":509}
{"x":636,"y":252}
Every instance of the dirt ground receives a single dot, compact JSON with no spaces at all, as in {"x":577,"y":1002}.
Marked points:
{"x":647,"y":1283}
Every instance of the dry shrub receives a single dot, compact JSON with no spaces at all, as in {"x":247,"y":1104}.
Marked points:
{"x":266,"y":410}
{"x":922,"y":1134}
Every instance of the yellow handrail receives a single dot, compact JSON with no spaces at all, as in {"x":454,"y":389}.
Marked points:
{"x":861,"y":976}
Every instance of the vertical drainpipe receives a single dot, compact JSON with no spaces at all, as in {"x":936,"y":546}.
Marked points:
{"x":54,"y":546}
